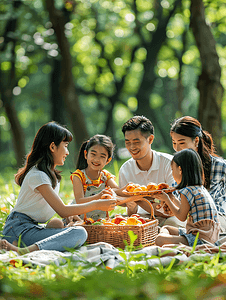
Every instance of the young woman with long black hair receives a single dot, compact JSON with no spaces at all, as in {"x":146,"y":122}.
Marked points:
{"x":38,"y":199}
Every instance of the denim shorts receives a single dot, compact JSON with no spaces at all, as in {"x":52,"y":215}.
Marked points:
{"x":20,"y":227}
{"x":190,"y":237}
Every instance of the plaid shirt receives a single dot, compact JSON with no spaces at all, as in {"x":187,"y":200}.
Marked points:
{"x":217,"y":188}
{"x":201,"y":203}
{"x":218,"y":183}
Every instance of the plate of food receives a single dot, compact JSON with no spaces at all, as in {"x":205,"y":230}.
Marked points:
{"x":133,"y":189}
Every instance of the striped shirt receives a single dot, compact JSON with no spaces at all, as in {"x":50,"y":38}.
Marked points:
{"x":92,"y":187}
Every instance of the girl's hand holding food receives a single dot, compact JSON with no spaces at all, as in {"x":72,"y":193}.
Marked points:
{"x":107,"y":191}
{"x":162,"y":197}
{"x":106,"y":204}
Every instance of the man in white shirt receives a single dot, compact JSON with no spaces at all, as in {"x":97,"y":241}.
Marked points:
{"x":146,"y":165}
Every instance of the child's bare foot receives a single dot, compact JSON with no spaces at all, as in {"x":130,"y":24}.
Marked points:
{"x":5,"y":245}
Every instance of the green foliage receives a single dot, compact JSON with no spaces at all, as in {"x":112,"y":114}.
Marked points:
{"x":109,"y":45}
{"x":206,"y":275}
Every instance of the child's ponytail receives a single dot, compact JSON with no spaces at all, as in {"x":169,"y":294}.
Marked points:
{"x":81,"y":161}
{"x":97,"y":139}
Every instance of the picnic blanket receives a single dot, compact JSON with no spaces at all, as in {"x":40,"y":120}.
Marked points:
{"x":107,"y":256}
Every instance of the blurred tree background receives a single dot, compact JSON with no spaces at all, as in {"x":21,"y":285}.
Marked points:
{"x":92,"y":64}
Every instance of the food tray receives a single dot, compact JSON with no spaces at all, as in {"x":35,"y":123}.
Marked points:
{"x":148,"y":193}
{"x":116,"y":234}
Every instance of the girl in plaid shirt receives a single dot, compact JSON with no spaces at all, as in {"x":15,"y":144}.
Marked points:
{"x":187,"y":132}
{"x":194,"y":204}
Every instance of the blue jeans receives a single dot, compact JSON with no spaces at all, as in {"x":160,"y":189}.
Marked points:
{"x":20,"y":225}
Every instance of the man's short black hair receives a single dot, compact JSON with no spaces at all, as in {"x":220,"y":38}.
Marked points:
{"x":139,"y":122}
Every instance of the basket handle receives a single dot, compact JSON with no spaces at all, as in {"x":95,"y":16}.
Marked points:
{"x":131,"y":199}
{"x":134,"y":199}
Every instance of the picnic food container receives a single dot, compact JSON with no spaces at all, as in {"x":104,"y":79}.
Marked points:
{"x":116,"y":234}
{"x":150,"y":190}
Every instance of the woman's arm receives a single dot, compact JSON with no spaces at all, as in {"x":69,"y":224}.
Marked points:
{"x":76,"y":209}
{"x":179,"y":209}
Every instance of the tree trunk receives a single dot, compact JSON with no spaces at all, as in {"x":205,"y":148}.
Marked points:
{"x":17,"y":132}
{"x":58,"y":20}
{"x":209,"y":85}
{"x":149,"y":76}
{"x":7,"y":83}
{"x":58,"y":107}
{"x":180,"y":86}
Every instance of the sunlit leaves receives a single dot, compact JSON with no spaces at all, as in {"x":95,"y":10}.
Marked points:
{"x":132,"y":103}
{"x":23,"y":81}
{"x":178,"y":24}
{"x":105,"y":80}
{"x":190,"y":56}
{"x":144,"y":5}
{"x":109,"y":44}
{"x":156,"y":101}
{"x":141,"y":54}
{"x":5,"y":65}
{"x":121,"y":113}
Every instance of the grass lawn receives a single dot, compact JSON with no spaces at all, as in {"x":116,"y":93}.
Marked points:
{"x":201,"y":279}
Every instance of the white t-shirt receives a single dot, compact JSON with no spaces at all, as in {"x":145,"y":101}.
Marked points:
{"x":160,"y":171}
{"x":30,"y":202}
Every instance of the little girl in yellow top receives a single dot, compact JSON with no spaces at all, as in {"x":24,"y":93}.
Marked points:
{"x":90,"y":180}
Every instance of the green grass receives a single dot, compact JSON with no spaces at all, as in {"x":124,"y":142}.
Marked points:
{"x":204,"y":278}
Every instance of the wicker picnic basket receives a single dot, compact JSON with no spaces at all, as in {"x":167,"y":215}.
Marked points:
{"x":117,"y":234}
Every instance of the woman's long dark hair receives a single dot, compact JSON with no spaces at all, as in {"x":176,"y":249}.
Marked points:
{"x":191,"y":166}
{"x":41,"y":155}
{"x":191,"y":127}
{"x":97,"y":139}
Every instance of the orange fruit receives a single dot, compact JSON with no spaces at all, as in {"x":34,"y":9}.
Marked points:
{"x":133,"y":221}
{"x":122,"y":223}
{"x":143,"y":187}
{"x":137,"y":190}
{"x":162,"y":186}
{"x":152,"y":186}
{"x":130,"y":187}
